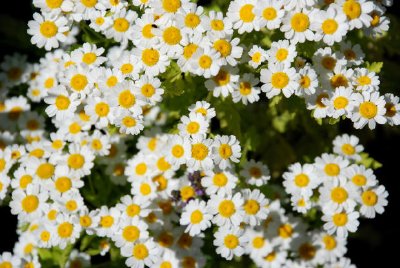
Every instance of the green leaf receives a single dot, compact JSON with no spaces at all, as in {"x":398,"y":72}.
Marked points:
{"x":369,"y":162}
{"x":375,"y":67}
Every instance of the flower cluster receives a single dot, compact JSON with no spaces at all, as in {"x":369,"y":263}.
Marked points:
{"x":77,"y":174}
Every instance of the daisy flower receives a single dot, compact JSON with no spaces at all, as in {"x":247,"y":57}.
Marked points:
{"x":79,"y":160}
{"x":229,"y":50}
{"x":88,"y":54}
{"x":194,"y":126}
{"x":341,"y":102}
{"x":196,"y":216}
{"x":341,"y":222}
{"x":247,"y":92}
{"x":130,"y":231}
{"x":340,"y":77}
{"x":278,"y":78}
{"x":203,"y":108}
{"x":100,"y":111}
{"x":255,"y":207}
{"x":170,"y":37}
{"x":224,"y":82}
{"x":255,"y":173}
{"x":357,"y":12}
{"x":331,"y":247}
{"x":307,"y":82}
{"x":335,"y":197}
{"x":315,"y":102}
{"x":8,"y":260}
{"x":330,"y":26}
{"x":152,"y":60}
{"x":217,"y":25}
{"x":379,"y":23}
{"x":99,"y":143}
{"x":201,"y":154}
{"x":61,"y":104}
{"x":348,"y":146}
{"x":300,"y":203}
{"x":300,"y":179}
{"x":47,"y":30}
{"x":369,"y":109}
{"x":79,"y":80}
{"x":129,"y":65}
{"x":259,"y":245}
{"x":150,"y":88}
{"x":224,"y":150}
{"x":145,"y":189}
{"x":360,"y":176}
{"x":373,"y":200}
{"x":257,"y":56}
{"x":392,"y":109}
{"x":227,"y":209}
{"x":206,"y":62}
{"x":297,"y":26}
{"x":219,"y":181}
{"x":144,"y":252}
{"x":139,"y":167}
{"x":241,"y":12}
{"x":190,"y":43}
{"x":125,"y":96}
{"x":179,"y":150}
{"x":230,"y":242}
{"x":99,"y":21}
{"x":331,"y":167}
{"x":190,"y":18}
{"x":108,"y":221}
{"x":325,"y":60}
{"x":129,"y":122}
{"x":364,"y":80}
{"x":134,"y":206}
{"x":353,"y":54}
{"x":66,"y":230}
{"x":276,"y":258}
{"x":282,"y":52}
{"x":270,"y":13}
{"x":122,"y":21}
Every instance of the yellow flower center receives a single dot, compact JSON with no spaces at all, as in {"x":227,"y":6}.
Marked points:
{"x":189,"y":50}
{"x":339,"y":80}
{"x":150,"y":56}
{"x":54,"y":3}
{"x":269,"y":13}
{"x":89,"y":58}
{"x":328,"y":62}
{"x":30,"y":203}
{"x":282,"y":54}
{"x":199,"y":151}
{"x":131,"y":233}
{"x":364,"y":80}
{"x":63,"y":184}
{"x":301,"y":180}
{"x":147,"y":31}
{"x":251,"y":207}
{"x":172,"y":35}
{"x":330,"y":26}
{"x":45,"y":171}
{"x":258,"y":242}
{"x":332,"y":169}
{"x":305,"y":82}
{"x":339,"y":219}
{"x":187,"y":192}
{"x":62,"y":102}
{"x":217,"y":25}
{"x":226,"y":208}
{"x":348,"y":149}
{"x":171,"y":6}
{"x":65,"y":229}
{"x":141,"y":168}
{"x":78,"y":82}
{"x":352,"y":9}
{"x":220,"y":179}
{"x":285,"y":231}
{"x":48,"y":29}
{"x":121,"y":25}
{"x":76,"y":161}
{"x":133,"y":210}
{"x":106,"y":221}
{"x":140,"y":251}
{"x":339,"y":195}
{"x":24,"y":181}
{"x":71,"y":205}
{"x":390,"y":109}
{"x":307,"y":251}
{"x":74,"y":128}
{"x":196,"y":217}
{"x":85,"y":221}
{"x":369,"y":198}
{"x":89,"y":3}
{"x":359,"y":180}
{"x":126,"y":99}
{"x":329,"y":242}
{"x":245,"y":88}
{"x":225,"y":151}
{"x":246,"y":13}
{"x":145,"y":189}
{"x":368,"y":109}
{"x":177,"y":151}
{"x":222,"y":78}
{"x":256,"y":57}
{"x":223,"y":47}
{"x":340,"y":103}
{"x":231,"y":241}
{"x":300,"y":22}
{"x":205,"y":61}
{"x":279,"y":80}
{"x":192,"y":20}
{"x":270,"y":257}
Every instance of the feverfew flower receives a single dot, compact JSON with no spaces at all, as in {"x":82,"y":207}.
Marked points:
{"x":196,"y":216}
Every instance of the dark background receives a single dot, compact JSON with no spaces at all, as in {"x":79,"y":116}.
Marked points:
{"x":369,"y":247}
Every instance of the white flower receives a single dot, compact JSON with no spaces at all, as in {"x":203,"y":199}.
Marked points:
{"x":335,"y":197}
{"x":224,"y":150}
{"x":307,"y":82}
{"x":270,"y":13}
{"x":224,"y":82}
{"x":227,"y":209}
{"x":200,"y":154}
{"x":357,"y":12}
{"x":330,"y":168}
{"x":150,"y":88}
{"x":369,"y":109}
{"x":360,"y":176}
{"x":61,"y":104}
{"x":194,"y":126}
{"x":348,"y":146}
{"x":255,"y":173}
{"x":206,"y":62}
{"x":219,"y":181}
{"x":241,"y":12}
{"x":255,"y":207}
{"x":230,"y":242}
{"x":373,"y":200}
{"x":79,"y":160}
{"x":108,"y":221}
{"x":297,"y":25}
{"x":331,"y":25}
{"x":283,"y":52}
{"x":341,"y":102}
{"x":196,"y":216}
{"x":144,"y":252}
{"x":257,"y":55}
{"x":179,"y":150}
{"x":203,"y":108}
{"x":247,"y":90}
{"x":278,"y":78}
{"x":130,"y":231}
{"x":66,"y":230}
{"x":341,"y":222}
{"x":151,"y":60}
{"x":47,"y":30}
{"x":392,"y":109}
{"x":301,"y":179}
{"x":364,"y":80}
{"x":28,"y":204}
